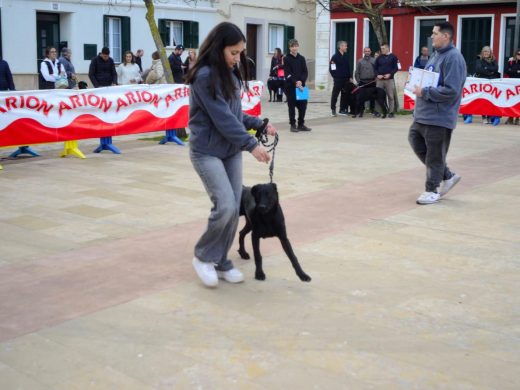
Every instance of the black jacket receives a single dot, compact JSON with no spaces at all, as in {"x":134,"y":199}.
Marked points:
{"x":176,"y":66}
{"x":295,"y":69}
{"x":6,"y":78}
{"x":276,"y":63}
{"x":486,"y":70}
{"x":342,"y":70}
{"x":513,"y":69}
{"x":102,"y":73}
{"x":386,"y":64}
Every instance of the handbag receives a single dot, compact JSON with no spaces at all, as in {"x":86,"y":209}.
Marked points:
{"x":61,"y":83}
{"x":302,"y":94}
{"x":280,"y":73}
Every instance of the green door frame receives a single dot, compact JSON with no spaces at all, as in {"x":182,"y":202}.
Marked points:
{"x":47,"y":34}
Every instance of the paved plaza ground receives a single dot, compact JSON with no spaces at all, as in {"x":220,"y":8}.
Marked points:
{"x":97,"y":289}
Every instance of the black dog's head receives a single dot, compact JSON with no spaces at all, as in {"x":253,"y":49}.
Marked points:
{"x":266,"y":197}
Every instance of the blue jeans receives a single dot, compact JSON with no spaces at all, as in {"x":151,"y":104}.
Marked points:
{"x":222,"y":179}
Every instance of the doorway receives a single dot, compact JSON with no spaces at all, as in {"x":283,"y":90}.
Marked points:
{"x":47,"y":34}
{"x":509,"y":35}
{"x":252,"y":45}
{"x":475,"y":34}
{"x":345,"y":31}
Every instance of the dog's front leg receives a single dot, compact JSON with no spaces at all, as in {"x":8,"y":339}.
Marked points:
{"x":259,"y":272}
{"x":286,"y":245}
{"x":241,"y":236}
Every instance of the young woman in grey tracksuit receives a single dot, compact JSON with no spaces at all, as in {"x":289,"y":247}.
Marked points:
{"x":218,"y":136}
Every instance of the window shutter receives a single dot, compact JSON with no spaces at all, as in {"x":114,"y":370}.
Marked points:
{"x":105,"y":31}
{"x":125,"y":35}
{"x":288,"y":34}
{"x":164,"y":31}
{"x":190,"y":37}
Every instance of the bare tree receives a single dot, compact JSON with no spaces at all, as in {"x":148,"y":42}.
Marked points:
{"x":150,"y":17}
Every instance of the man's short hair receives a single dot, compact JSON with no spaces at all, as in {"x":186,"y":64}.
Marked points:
{"x":293,"y":42}
{"x":105,"y":50}
{"x":341,"y":43}
{"x":445,"y":27}
{"x":384,"y":44}
{"x":65,"y":51}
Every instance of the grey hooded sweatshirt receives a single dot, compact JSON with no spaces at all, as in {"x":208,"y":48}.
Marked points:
{"x":439,"y":106}
{"x":218,"y":127}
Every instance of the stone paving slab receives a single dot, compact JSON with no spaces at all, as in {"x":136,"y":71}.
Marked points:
{"x":98,"y":292}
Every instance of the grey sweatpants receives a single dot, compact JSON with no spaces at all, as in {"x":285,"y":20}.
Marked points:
{"x":431,"y":143}
{"x":222,"y":179}
{"x":388,"y":86}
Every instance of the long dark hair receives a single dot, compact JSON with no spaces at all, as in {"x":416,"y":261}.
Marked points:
{"x":211,"y":53}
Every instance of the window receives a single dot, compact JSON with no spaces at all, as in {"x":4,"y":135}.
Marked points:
{"x":425,"y":34}
{"x":179,"y":32}
{"x":116,"y":35}
{"x":276,"y":37}
{"x":114,"y":38}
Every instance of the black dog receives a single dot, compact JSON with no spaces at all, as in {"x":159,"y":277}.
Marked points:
{"x":264,"y":217}
{"x":275,"y":86}
{"x":368,"y":93}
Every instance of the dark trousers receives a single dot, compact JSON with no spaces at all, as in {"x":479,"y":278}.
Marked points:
{"x":431,"y":143}
{"x":339,"y":87}
{"x":292,"y":103}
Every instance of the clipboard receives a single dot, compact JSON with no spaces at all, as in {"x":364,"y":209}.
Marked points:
{"x":302,"y":94}
{"x":422,"y":78}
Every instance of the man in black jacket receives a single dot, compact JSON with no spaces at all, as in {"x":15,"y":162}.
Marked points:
{"x":176,"y":64}
{"x":6,"y":77}
{"x":295,"y":75}
{"x":102,"y":70}
{"x":386,"y":67}
{"x":339,"y":69}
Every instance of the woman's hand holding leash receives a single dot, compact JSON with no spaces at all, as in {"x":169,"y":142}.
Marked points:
{"x":271,"y":130}
{"x":260,"y":153}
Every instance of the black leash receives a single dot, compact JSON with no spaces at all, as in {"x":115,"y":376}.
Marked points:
{"x":262,"y":137}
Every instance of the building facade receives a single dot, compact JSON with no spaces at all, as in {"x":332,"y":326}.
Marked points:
{"x":409,"y":25}
{"x":28,"y":26}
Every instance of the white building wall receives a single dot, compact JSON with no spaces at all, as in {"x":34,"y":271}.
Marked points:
{"x":322,"y":47}
{"x":81,"y":22}
{"x":298,"y":13}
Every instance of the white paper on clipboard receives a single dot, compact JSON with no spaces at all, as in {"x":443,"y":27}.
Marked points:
{"x":422,"y":78}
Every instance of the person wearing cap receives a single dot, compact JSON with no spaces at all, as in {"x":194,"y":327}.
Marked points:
{"x":176,"y":64}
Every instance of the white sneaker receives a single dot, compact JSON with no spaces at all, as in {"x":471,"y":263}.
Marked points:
{"x":206,"y":272}
{"x":428,"y":198}
{"x":231,"y":276}
{"x":449,"y":184}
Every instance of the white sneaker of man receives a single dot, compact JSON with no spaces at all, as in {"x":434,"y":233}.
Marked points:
{"x":231,"y":276}
{"x":206,"y":272}
{"x":428,"y":198}
{"x":447,"y":185}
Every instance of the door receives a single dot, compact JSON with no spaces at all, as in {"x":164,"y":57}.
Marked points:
{"x":509,"y":41}
{"x":345,"y":31}
{"x":251,"y":36}
{"x":475,"y":34}
{"x":47,"y":34}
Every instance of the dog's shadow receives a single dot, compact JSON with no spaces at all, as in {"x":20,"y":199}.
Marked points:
{"x":264,"y":218}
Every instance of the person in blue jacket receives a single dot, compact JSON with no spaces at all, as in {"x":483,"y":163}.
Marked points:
{"x":6,"y":77}
{"x":218,"y":137}
{"x":422,"y":59}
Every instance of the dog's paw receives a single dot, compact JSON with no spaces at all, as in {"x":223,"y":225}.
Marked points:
{"x":259,"y":275}
{"x":304,"y":277}
{"x":244,"y":255}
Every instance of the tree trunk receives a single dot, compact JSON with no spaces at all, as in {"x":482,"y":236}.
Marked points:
{"x":158,"y":41}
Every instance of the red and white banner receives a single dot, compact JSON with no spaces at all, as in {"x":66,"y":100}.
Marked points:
{"x":498,"y":97}
{"x":32,"y":117}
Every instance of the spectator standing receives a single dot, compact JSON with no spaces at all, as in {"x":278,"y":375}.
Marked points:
{"x":128,"y":72}
{"x":435,"y":114}
{"x":218,"y":137}
{"x":386,"y":67}
{"x":6,"y":77}
{"x":365,"y":73}
{"x":102,"y":70}
{"x":296,"y":73}
{"x":339,"y":69}
{"x":422,"y":59}
{"x":190,"y":60}
{"x":276,"y":76}
{"x":486,"y":67}
{"x":176,"y":64}
{"x":51,"y":69}
{"x":138,"y":56}
{"x":65,"y":60}
{"x":513,"y":71}
{"x":155,"y":75}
